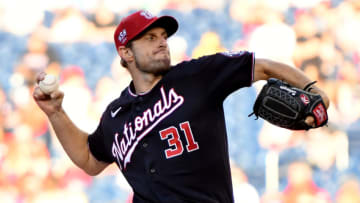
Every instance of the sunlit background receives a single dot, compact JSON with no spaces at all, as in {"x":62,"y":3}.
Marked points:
{"x":73,"y":40}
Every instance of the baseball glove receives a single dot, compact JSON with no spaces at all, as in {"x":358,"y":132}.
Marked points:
{"x":286,"y":106}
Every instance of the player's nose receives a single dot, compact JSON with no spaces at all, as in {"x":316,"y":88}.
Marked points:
{"x":163,"y":42}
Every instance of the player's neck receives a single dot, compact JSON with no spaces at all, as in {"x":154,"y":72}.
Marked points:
{"x":145,"y":82}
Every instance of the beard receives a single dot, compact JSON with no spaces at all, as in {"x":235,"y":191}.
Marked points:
{"x":156,"y":66}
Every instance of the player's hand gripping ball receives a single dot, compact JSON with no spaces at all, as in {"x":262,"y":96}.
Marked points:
{"x":49,"y":84}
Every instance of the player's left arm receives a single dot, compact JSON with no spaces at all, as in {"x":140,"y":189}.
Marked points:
{"x":265,"y":69}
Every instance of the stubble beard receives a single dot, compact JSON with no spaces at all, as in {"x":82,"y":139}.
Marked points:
{"x":156,"y":67}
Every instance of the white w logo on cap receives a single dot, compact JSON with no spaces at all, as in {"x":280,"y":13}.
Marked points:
{"x":122,"y":36}
{"x":146,"y":14}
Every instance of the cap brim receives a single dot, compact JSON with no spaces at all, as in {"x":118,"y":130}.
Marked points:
{"x":169,"y":23}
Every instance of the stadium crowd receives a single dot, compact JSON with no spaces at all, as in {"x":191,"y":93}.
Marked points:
{"x":74,"y":40}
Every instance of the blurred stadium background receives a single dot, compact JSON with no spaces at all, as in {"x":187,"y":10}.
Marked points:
{"x":73,"y":39}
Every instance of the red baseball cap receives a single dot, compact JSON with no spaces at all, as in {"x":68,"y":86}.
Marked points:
{"x":132,"y":25}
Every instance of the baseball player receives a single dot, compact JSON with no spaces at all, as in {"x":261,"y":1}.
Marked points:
{"x":166,"y":131}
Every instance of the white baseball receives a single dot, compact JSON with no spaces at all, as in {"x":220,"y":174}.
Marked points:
{"x":49,"y":84}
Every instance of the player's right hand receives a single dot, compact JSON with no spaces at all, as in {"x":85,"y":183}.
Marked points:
{"x":48,"y":103}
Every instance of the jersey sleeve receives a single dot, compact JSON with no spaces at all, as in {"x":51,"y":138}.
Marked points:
{"x":223,"y":73}
{"x":96,"y":142}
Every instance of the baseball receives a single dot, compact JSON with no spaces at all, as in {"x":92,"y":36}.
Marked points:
{"x":49,"y":84}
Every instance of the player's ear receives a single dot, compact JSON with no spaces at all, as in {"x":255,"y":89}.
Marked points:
{"x":125,"y":53}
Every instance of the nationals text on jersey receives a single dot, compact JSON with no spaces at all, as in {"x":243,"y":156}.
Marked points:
{"x":134,"y":131}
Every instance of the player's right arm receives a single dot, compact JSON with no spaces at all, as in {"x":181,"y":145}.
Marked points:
{"x":73,"y":140}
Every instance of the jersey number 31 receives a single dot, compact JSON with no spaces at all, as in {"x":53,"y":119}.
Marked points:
{"x":173,"y":138}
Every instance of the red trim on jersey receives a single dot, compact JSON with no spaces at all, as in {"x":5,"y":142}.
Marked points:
{"x":131,"y":93}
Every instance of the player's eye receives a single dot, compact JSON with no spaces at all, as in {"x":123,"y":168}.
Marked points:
{"x":151,"y":38}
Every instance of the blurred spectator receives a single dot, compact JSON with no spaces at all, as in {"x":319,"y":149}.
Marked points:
{"x":349,"y":191}
{"x":21,"y":20}
{"x":212,"y":5}
{"x":249,"y":13}
{"x":4,"y":109}
{"x":346,"y":32}
{"x":276,"y":138}
{"x":188,"y":5}
{"x":105,"y":22}
{"x":120,"y":75}
{"x":209,"y":43}
{"x":308,"y":39}
{"x":272,"y":197}
{"x":244,"y":192}
{"x":39,"y":55}
{"x":103,"y":17}
{"x":24,"y":107}
{"x":26,"y":163}
{"x":327,"y":147}
{"x":301,"y":188}
{"x":70,"y":26}
{"x":77,"y":102}
{"x":178,"y":47}
{"x":347,"y":102}
{"x":275,"y":41}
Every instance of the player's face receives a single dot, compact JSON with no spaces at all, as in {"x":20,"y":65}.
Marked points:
{"x":151,"y":52}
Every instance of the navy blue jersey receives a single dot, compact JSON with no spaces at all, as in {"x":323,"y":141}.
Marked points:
{"x":170,"y":143}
